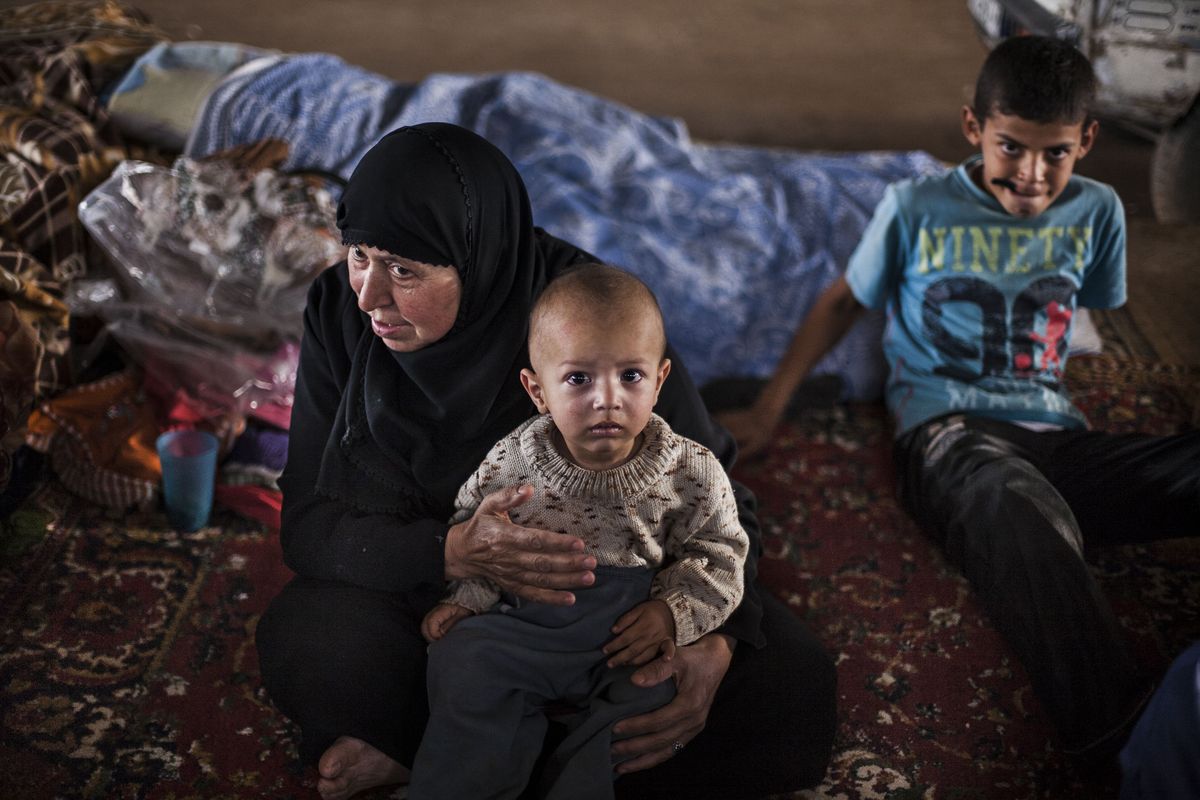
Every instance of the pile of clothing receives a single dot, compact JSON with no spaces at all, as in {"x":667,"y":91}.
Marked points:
{"x":56,"y":144}
{"x":193,"y":272}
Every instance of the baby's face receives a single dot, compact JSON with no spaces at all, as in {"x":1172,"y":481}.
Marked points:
{"x":1026,"y":164}
{"x":598,"y":382}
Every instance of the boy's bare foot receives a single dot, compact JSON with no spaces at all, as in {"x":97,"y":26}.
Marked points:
{"x":351,"y":765}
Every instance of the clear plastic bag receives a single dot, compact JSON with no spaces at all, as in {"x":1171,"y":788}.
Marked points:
{"x":211,"y":269}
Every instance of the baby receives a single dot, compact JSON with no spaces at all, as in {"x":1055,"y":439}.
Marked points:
{"x":655,"y":509}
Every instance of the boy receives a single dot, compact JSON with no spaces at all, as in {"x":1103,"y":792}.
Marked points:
{"x":607,"y":469}
{"x":981,"y":271}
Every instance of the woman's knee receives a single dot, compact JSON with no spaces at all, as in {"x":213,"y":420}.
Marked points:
{"x":317,"y":632}
{"x":785,"y":701}
{"x":805,"y":675}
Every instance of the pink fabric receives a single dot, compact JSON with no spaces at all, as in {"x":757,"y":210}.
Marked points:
{"x":254,"y":502}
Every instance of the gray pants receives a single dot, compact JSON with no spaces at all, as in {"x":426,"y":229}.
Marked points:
{"x":492,"y":678}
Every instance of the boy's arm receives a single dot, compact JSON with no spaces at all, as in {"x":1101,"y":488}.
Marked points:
{"x":474,"y":594}
{"x":834,"y":313}
{"x":681,"y":407}
{"x":704,"y":584}
{"x":1104,"y":279}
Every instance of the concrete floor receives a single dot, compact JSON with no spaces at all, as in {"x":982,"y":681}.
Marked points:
{"x":817,"y":74}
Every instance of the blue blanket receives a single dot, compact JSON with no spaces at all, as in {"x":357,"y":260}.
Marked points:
{"x":737,"y":242}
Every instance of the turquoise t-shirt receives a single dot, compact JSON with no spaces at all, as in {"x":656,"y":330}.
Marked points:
{"x":980,"y":303}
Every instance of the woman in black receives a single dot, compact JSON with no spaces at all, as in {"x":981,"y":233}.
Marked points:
{"x":408,"y":375}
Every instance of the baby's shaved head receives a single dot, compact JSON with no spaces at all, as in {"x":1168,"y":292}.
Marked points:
{"x":602,"y":295}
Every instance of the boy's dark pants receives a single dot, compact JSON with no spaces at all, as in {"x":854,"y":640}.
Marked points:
{"x":1013,"y":507}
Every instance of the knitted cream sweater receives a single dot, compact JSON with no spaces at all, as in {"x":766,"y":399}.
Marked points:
{"x":670,"y":504}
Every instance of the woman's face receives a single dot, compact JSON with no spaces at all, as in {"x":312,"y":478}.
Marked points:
{"x":411,"y":304}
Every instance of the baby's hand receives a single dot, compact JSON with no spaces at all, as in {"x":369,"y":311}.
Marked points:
{"x":441,"y":618}
{"x":642,"y":634}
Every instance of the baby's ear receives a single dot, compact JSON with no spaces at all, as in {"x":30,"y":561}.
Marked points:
{"x":664,"y":369}
{"x":533,"y":388}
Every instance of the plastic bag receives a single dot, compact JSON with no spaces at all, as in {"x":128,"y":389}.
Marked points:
{"x":234,"y":251}
{"x":212,"y":266}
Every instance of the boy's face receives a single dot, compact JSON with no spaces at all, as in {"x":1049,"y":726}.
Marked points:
{"x":598,"y":382}
{"x":1026,"y":164}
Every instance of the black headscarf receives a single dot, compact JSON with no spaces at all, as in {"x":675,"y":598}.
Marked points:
{"x":412,"y":426}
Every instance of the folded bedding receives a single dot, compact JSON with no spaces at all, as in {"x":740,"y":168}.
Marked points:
{"x":158,"y":99}
{"x":737,"y":242}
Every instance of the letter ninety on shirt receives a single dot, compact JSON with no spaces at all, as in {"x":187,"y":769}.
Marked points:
{"x":1082,"y":237}
{"x":980,"y":246}
{"x":1048,"y":235}
{"x":931,"y":259}
{"x":1015,"y":250}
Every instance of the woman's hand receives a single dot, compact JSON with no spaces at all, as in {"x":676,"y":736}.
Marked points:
{"x":533,"y":564}
{"x":753,"y":429}
{"x":698,"y":670}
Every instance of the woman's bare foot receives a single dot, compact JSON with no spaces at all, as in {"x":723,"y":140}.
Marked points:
{"x":351,"y":765}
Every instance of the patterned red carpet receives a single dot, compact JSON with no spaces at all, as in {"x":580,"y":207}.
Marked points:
{"x":127,"y":666}
{"x":931,"y":704}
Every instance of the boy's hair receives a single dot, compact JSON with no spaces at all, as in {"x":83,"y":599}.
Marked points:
{"x":1037,"y":78}
{"x":608,"y":289}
